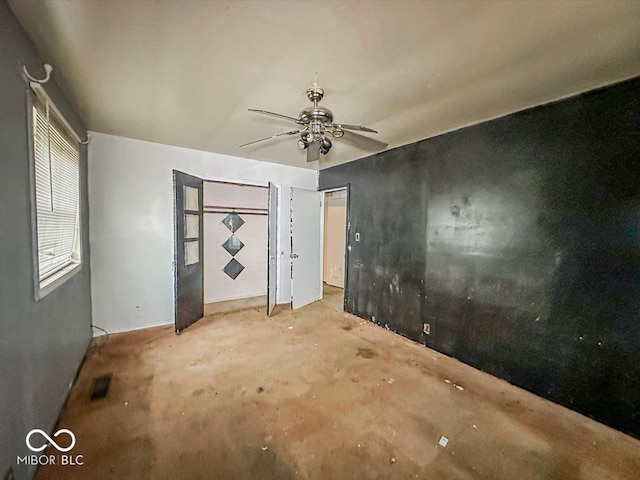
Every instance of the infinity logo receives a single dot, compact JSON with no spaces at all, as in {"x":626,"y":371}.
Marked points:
{"x":50,"y":440}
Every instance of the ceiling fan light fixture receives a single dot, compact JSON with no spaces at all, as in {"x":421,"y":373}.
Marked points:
{"x":303,"y":143}
{"x":325,"y":145}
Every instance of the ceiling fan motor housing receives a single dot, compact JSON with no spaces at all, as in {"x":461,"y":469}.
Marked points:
{"x":316,"y":114}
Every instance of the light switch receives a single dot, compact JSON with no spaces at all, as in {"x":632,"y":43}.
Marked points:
{"x":357,"y":236}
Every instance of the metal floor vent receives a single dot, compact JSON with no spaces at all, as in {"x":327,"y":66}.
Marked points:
{"x":100,"y":387}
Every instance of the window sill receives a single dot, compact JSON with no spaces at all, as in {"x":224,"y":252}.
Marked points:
{"x":49,"y":284}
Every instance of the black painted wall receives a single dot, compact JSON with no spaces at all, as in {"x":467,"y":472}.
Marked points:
{"x":518,"y":242}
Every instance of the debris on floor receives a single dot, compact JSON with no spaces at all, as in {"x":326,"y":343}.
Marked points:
{"x":259,"y":389}
{"x":392,"y":460}
{"x":443,"y":441}
{"x":264,"y":449}
{"x":459,"y":387}
{"x":391,"y":381}
{"x":290,"y":327}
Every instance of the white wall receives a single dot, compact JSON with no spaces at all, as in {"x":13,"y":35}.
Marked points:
{"x":131,"y":221}
{"x":252,"y":281}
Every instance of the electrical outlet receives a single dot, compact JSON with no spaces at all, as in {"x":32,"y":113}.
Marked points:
{"x":9,"y":475}
{"x":357,"y":236}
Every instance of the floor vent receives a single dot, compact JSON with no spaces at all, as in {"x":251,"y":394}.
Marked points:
{"x":100,"y":387}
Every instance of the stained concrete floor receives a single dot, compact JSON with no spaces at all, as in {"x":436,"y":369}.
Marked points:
{"x":333,"y":297}
{"x":317,"y":394}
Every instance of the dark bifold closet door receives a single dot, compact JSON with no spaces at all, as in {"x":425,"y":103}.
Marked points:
{"x":189,"y":250}
{"x":272,"y":249}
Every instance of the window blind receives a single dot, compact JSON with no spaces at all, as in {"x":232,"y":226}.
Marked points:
{"x":56,"y":157}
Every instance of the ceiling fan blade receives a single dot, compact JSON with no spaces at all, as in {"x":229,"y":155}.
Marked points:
{"x":313,"y":151}
{"x":279,"y":115}
{"x":365,"y":143}
{"x":356,"y":127}
{"x":292,"y":132}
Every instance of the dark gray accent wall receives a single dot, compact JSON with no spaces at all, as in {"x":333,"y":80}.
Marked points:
{"x":518,"y":241}
{"x":42,"y":343}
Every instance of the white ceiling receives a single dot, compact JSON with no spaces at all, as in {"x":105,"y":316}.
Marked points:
{"x":185,"y":72}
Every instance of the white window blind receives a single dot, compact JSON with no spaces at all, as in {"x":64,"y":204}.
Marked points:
{"x":57,"y":183}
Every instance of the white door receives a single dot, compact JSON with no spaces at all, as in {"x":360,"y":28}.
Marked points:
{"x":306,"y":251}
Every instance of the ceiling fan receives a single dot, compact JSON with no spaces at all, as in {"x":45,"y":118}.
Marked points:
{"x":317,"y":130}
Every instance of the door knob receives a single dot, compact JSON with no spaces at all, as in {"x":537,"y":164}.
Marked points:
{"x":294,"y":255}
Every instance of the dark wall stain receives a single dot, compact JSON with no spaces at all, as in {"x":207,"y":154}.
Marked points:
{"x":518,"y":242}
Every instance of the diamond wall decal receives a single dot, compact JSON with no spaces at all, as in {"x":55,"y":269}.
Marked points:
{"x":233,"y":221}
{"x":233,"y":245}
{"x":233,"y":268}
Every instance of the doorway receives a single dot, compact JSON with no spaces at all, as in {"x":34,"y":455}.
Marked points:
{"x":335,"y":250}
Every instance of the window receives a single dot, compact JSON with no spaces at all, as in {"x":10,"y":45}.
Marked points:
{"x":57,"y":184}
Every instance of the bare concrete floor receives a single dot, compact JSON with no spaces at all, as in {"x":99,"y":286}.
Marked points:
{"x":315,"y":394}
{"x":333,"y":297}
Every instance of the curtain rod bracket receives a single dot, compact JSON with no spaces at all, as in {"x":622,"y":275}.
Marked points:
{"x":86,"y":142}
{"x":47,"y":68}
